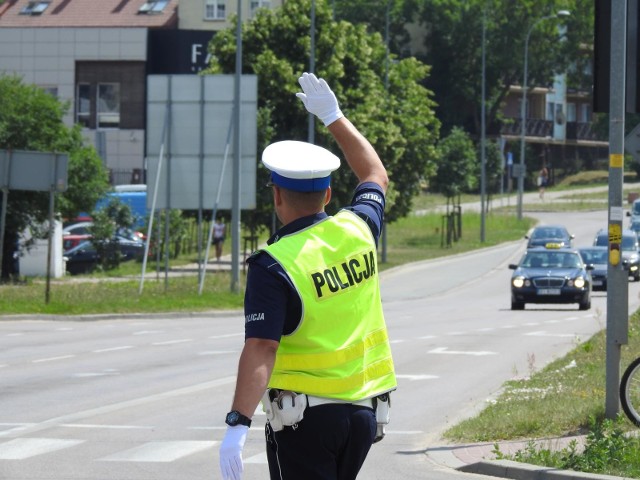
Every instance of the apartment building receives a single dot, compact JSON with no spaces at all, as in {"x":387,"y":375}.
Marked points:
{"x":97,"y":55}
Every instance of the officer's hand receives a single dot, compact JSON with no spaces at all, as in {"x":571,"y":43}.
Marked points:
{"x":231,"y":452}
{"x":319,"y":99}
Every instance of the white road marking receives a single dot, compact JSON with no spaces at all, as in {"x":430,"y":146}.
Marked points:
{"x":488,"y":329}
{"x":2,"y":366}
{"x":427,"y":337}
{"x":396,"y":341}
{"x":228,"y":335}
{"x":147,"y":332}
{"x":15,"y":334}
{"x":21,"y":448}
{"x":160,"y":451}
{"x":93,"y":374}
{"x":112,"y":349}
{"x":543,"y":333}
{"x":106,"y":427}
{"x":53,"y":359}
{"x":114,"y":407}
{"x":173,"y":342}
{"x":445,"y":350}
{"x":217,"y":352}
{"x":417,"y":377}
{"x":571,"y":318}
{"x":259,"y":458}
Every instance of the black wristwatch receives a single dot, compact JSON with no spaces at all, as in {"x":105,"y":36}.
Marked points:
{"x":234,"y":418}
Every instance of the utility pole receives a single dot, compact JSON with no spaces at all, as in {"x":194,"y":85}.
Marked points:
{"x":617,"y":276}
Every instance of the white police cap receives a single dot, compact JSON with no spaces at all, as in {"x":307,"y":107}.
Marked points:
{"x":300,"y":166}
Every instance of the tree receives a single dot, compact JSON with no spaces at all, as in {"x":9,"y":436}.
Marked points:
{"x":31,"y":119}
{"x":107,"y":221}
{"x":454,"y":47}
{"x":457,"y":166}
{"x":399,"y":122}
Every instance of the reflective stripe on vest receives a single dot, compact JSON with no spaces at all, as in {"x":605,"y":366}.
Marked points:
{"x":340,"y":349}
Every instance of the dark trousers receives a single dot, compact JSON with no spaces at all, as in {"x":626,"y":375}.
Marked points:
{"x":330,"y":443}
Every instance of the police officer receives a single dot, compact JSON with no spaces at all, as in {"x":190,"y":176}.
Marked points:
{"x":316,"y":347}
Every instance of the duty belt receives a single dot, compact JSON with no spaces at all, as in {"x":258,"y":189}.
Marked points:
{"x":313,"y":401}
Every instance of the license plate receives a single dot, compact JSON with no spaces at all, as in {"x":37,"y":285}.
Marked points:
{"x":548,"y":291}
{"x":598,"y":283}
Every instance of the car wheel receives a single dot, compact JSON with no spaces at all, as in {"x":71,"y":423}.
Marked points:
{"x":517,"y":305}
{"x":586,"y":305}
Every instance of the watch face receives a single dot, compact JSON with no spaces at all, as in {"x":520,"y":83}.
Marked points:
{"x":232,"y":418}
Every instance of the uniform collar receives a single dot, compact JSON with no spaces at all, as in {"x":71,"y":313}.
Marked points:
{"x":296,"y":225}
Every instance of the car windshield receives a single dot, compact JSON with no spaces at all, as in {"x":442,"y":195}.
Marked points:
{"x":629,"y":242}
{"x":548,"y":233}
{"x":595,"y":256}
{"x":551,"y":260}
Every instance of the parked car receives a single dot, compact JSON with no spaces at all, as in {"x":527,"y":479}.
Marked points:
{"x":598,"y":258}
{"x":628,"y":249}
{"x":70,"y":241}
{"x":550,"y":275}
{"x":84,"y":258}
{"x":545,"y":234}
{"x":73,"y":234}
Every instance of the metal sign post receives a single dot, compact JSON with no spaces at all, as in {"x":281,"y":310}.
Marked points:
{"x":32,"y":171}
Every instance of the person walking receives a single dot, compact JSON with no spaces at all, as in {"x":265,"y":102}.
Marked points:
{"x":219,"y":234}
{"x":543,"y":180}
{"x":316,"y":347}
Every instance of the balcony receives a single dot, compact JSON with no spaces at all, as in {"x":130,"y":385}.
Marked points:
{"x":535,"y":127}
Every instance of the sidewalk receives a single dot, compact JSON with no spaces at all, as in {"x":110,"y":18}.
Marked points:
{"x":480,"y":458}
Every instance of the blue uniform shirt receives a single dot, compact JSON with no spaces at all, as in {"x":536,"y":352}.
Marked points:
{"x":272,"y":307}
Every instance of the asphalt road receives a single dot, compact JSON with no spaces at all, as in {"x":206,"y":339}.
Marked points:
{"x":145,"y":398}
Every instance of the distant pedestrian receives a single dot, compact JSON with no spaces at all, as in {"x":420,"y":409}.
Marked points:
{"x":219,"y":234}
{"x":543,"y":180}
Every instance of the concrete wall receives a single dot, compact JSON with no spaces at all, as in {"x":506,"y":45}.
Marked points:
{"x":47,"y":57}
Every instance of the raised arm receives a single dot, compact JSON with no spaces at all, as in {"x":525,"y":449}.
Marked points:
{"x":320,"y":100}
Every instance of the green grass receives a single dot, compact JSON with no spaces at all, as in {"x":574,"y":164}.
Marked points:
{"x":116,"y":291}
{"x":565,"y":398}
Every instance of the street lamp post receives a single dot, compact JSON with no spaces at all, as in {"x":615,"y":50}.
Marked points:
{"x":523,"y":105}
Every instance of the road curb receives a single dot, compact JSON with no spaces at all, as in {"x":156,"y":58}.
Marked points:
{"x":122,"y":316}
{"x":525,"y":471}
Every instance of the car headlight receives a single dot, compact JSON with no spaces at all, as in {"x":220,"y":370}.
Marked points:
{"x":519,"y":282}
{"x":579,"y":282}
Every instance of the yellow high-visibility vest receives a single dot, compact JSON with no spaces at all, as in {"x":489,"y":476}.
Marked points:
{"x":340,"y":348}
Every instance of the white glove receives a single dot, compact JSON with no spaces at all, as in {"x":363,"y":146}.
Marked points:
{"x":231,"y":452}
{"x":319,"y":99}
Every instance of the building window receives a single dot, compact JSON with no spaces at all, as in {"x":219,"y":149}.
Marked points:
{"x":215,"y":9}
{"x":256,"y":4}
{"x":50,"y":89}
{"x":34,"y":8}
{"x":83,"y":102}
{"x":585,"y":113}
{"x":571,"y":112}
{"x":153,"y":7}
{"x":108,"y":105}
{"x":551,"y":108}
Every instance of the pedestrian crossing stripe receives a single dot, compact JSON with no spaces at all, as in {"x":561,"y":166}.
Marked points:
{"x":160,"y":451}
{"x":21,"y":448}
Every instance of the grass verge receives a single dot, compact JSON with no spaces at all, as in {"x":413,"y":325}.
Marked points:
{"x":410,"y":239}
{"x":565,"y":398}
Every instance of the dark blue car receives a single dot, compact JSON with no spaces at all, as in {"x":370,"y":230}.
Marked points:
{"x":551,"y":275}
